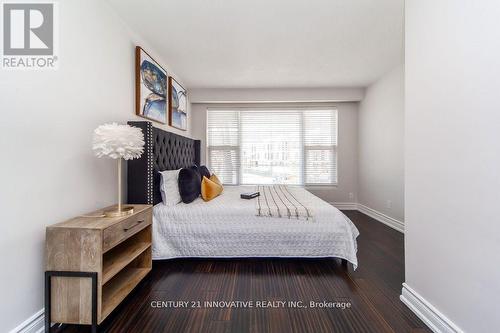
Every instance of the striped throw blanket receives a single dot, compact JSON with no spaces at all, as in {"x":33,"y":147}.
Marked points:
{"x":279,"y":201}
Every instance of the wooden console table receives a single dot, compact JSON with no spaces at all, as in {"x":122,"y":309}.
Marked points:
{"x":93,"y":263}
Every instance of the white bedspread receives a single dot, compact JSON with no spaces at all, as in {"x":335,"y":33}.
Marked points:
{"x":228,"y":227}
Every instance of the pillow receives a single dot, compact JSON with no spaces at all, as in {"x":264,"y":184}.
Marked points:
{"x":169,"y":187}
{"x":210,"y":189}
{"x":189,"y":184}
{"x":215,"y":179}
{"x":197,"y":170}
{"x":203,"y":170}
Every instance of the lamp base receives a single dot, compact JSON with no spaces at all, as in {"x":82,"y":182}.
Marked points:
{"x":126,"y":210}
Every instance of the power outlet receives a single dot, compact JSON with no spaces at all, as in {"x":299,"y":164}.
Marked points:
{"x":351,"y":196}
{"x":388,"y":204}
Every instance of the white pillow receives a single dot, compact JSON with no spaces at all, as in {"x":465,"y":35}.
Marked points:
{"x":169,"y":187}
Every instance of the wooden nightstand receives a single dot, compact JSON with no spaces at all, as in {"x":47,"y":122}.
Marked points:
{"x":93,"y":263}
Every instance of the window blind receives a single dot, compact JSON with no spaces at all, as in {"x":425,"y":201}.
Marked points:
{"x":320,"y":146}
{"x":273,"y":146}
{"x":223,"y":145}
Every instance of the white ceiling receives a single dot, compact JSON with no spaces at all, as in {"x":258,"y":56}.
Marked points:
{"x":271,"y":43}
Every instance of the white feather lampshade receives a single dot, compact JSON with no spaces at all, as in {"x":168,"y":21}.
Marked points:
{"x":118,"y":142}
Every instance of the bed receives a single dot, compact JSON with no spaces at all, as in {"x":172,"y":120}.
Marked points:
{"x":228,"y":226}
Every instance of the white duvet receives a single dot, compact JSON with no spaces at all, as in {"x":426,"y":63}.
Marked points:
{"x":228,"y":226}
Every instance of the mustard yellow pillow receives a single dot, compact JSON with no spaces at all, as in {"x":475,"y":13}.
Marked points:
{"x":216,"y":180}
{"x":210,"y":189}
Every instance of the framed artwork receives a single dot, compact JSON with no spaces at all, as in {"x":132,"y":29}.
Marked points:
{"x":177,"y":105}
{"x":151,"y":87}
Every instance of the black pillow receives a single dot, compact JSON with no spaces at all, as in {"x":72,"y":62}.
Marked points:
{"x":203,"y":170}
{"x":189,"y":184}
{"x":197,"y":170}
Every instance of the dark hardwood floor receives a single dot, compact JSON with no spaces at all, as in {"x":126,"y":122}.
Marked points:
{"x":372,"y":290}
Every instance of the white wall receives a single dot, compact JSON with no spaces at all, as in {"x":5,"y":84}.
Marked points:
{"x":381,"y":152}
{"x":452,"y":145}
{"x":347,"y":149}
{"x":48,"y":173}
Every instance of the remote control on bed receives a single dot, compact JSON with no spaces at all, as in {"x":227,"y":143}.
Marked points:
{"x":249,"y":195}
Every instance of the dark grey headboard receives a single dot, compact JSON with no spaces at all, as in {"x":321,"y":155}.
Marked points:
{"x":163,"y":151}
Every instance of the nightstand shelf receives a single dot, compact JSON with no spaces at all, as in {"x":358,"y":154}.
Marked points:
{"x":115,"y":251}
{"x":123,"y":254}
{"x":119,"y":287}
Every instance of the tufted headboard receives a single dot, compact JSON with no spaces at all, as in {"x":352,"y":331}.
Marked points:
{"x":163,"y":151}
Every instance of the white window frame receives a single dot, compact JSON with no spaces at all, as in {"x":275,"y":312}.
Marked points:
{"x":304,"y":149}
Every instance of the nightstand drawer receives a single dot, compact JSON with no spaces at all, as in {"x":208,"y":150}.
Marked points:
{"x":124,"y":229}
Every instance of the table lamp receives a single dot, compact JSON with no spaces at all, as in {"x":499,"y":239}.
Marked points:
{"x":118,"y":142}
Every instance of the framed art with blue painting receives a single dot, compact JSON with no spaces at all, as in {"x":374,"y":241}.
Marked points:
{"x":151,"y":87}
{"x":177,"y":105}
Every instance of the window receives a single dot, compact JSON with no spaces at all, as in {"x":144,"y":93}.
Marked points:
{"x":273,"y":146}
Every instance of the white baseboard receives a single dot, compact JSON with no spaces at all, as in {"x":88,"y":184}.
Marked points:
{"x":431,"y":316}
{"x":387,"y":220}
{"x":345,"y":205}
{"x":34,"y":324}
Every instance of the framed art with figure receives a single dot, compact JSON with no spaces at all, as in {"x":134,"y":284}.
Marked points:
{"x":151,"y":87}
{"x":177,"y":105}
